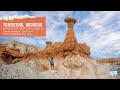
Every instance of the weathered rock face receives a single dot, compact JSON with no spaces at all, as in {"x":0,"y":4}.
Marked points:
{"x":2,"y":48}
{"x":108,"y":60}
{"x":9,"y":51}
{"x":70,"y":42}
{"x":74,"y":67}
{"x":13,"y":51}
{"x":48,"y":44}
{"x":84,"y":50}
{"x":9,"y":54}
{"x":21,"y":46}
{"x":69,"y":47}
{"x":2,"y":62}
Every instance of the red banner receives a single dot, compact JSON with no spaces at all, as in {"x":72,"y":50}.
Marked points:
{"x":23,"y":27}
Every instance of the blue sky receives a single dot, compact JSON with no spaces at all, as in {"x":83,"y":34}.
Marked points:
{"x":99,"y":29}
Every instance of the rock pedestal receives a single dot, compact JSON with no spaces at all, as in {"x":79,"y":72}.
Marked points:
{"x":69,"y":47}
{"x":48,"y":44}
{"x":70,"y":42}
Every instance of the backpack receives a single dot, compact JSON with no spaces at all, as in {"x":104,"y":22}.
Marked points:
{"x":51,"y":62}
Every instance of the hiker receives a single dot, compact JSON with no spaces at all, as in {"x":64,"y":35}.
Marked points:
{"x":52,"y":63}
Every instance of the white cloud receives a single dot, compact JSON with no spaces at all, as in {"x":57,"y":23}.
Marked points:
{"x":15,"y":17}
{"x":100,"y":37}
{"x":8,"y":13}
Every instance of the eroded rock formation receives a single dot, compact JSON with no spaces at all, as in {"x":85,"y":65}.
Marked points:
{"x":74,"y":67}
{"x":69,"y":47}
{"x":9,"y":54}
{"x":108,"y":60}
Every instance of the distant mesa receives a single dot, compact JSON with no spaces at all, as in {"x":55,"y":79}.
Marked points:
{"x":108,"y":60}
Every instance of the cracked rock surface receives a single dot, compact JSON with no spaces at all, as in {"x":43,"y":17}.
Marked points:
{"x":74,"y":67}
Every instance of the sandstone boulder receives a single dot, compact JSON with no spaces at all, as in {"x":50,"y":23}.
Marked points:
{"x":71,"y":62}
{"x":58,"y":46}
{"x":2,"y":48}
{"x":15,"y":49}
{"x":84,"y":48}
{"x":48,"y":44}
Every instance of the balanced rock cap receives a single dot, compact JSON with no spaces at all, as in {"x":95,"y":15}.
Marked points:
{"x":48,"y":42}
{"x":70,"y":19}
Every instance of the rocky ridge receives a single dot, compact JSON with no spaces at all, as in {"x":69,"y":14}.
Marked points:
{"x":75,"y":67}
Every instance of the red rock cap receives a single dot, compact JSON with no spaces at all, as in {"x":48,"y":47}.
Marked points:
{"x":48,"y":42}
{"x":70,"y":19}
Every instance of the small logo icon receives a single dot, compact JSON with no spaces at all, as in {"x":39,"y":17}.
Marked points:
{"x":113,"y":72}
